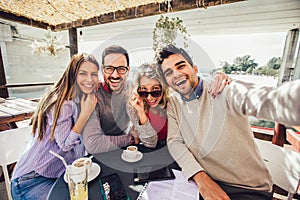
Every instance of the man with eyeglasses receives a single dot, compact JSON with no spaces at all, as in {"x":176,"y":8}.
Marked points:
{"x":107,"y":128}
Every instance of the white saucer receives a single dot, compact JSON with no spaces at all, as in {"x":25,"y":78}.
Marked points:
{"x":94,"y":172}
{"x":138,"y":157}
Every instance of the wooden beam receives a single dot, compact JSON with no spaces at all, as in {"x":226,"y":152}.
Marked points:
{"x":73,"y":41}
{"x":141,"y":11}
{"x":285,"y":74}
{"x":26,"y":85}
{"x":3,"y":91}
{"x":24,"y":20}
{"x":279,"y":137}
{"x":129,"y":13}
{"x":288,"y":58}
{"x":297,"y":65}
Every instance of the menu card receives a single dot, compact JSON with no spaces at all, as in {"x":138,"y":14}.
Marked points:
{"x":178,"y":188}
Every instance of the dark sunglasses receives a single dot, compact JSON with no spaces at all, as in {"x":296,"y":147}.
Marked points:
{"x":144,"y":94}
{"x":108,"y":69}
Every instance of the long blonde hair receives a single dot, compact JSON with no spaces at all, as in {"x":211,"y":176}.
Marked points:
{"x":151,"y":72}
{"x":66,"y":88}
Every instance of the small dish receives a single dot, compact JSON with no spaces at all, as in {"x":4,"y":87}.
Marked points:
{"x":138,"y":157}
{"x":95,"y":171}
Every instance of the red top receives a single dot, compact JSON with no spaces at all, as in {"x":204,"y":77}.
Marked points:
{"x":159,"y":123}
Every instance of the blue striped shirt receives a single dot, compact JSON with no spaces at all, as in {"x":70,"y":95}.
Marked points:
{"x":66,"y":143}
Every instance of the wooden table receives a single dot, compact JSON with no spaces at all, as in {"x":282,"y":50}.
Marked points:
{"x":16,"y":109}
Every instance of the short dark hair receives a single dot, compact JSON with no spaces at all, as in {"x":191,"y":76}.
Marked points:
{"x":115,"y":49}
{"x":168,"y":51}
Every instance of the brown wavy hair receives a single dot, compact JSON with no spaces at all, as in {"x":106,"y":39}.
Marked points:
{"x":66,"y":88}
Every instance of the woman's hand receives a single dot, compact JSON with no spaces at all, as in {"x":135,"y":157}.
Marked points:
{"x":88,"y":103}
{"x":218,"y":83}
{"x":137,"y":102}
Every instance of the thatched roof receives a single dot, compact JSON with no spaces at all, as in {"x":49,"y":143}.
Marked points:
{"x":65,"y":14}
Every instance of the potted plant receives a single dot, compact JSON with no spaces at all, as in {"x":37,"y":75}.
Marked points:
{"x":165,"y":32}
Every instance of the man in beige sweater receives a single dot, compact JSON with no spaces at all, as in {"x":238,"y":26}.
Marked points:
{"x":211,"y":138}
{"x":106,"y":129}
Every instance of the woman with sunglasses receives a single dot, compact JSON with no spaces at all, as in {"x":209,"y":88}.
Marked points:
{"x":146,"y":108}
{"x":147,"y":104}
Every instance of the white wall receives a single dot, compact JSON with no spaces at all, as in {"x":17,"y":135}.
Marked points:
{"x":22,"y":66}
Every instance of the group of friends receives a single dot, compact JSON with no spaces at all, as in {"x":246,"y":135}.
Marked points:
{"x":204,"y":125}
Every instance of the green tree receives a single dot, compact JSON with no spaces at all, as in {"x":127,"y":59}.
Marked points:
{"x":271,"y":68}
{"x":226,"y":67}
{"x":274,"y":63}
{"x":263,"y":123}
{"x":245,"y":64}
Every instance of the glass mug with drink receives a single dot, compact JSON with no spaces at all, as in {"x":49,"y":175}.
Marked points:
{"x":78,"y":182}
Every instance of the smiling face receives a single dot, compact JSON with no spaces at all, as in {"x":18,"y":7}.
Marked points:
{"x":179,"y":74}
{"x":115,"y":81}
{"x":150,"y":85}
{"x":87,"y":77}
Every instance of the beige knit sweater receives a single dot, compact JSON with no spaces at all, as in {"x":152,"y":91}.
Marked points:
{"x":214,"y":134}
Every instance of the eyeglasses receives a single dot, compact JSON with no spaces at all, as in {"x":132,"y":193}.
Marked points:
{"x":144,"y":94}
{"x":108,"y":69}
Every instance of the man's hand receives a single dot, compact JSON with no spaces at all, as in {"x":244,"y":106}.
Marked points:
{"x":218,"y":83}
{"x":209,"y":189}
{"x":134,"y":133}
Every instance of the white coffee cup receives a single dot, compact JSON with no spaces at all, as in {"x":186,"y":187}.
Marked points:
{"x":80,"y":162}
{"x":131,"y":152}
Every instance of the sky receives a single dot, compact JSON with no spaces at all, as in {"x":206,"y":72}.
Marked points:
{"x":261,"y":47}
{"x":207,"y":52}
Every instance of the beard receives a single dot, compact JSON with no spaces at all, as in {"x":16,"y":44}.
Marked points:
{"x":116,"y":85}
